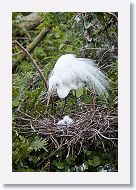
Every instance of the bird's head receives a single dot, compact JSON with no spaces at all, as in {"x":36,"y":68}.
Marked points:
{"x":54,"y":83}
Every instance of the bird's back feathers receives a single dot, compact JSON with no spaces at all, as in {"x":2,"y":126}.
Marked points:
{"x":75,"y":72}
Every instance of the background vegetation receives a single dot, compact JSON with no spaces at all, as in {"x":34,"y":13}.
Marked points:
{"x":47,"y":36}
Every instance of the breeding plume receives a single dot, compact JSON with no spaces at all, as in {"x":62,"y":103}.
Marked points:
{"x":71,"y":73}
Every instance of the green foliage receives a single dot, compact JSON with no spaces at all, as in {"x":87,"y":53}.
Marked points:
{"x":27,"y":152}
{"x":32,"y":153}
{"x":95,"y":161}
{"x":15,"y":103}
{"x":79,"y":92}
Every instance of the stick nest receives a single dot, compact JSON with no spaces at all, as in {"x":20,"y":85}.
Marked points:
{"x":89,"y":124}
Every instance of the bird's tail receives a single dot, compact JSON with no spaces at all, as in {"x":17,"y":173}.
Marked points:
{"x":94,"y":77}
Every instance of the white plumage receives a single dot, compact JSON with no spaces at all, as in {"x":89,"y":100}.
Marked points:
{"x":65,"y":121}
{"x":71,"y":73}
{"x":61,"y":122}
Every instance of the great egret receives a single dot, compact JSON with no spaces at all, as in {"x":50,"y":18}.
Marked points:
{"x":71,"y":73}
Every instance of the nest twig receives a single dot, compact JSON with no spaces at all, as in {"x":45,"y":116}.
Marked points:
{"x":88,"y":125}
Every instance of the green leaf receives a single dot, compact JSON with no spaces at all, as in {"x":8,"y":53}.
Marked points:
{"x":88,"y":153}
{"x":79,"y":92}
{"x":39,"y":50}
{"x":15,"y":92}
{"x":15,"y":103}
{"x":87,"y":99}
{"x":95,"y":161}
{"x":21,"y":138}
{"x":61,"y":46}
{"x":70,"y":159}
{"x":57,"y":35}
{"x":65,"y":38}
{"x":68,"y":49}
{"x":90,"y":162}
{"x":59,"y":153}
{"x":37,"y":144}
{"x":59,"y":165}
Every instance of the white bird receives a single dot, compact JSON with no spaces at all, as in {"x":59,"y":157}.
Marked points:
{"x":61,"y":122}
{"x":71,"y":73}
{"x":65,"y":121}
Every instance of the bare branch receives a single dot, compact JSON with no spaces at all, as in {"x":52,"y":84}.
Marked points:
{"x":33,"y":61}
{"x":34,"y":43}
{"x":113,"y":15}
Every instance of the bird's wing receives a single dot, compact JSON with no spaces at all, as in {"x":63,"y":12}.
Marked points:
{"x":74,"y":72}
{"x":85,"y":71}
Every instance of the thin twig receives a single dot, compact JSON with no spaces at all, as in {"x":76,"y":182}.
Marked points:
{"x":17,"y":53}
{"x":88,"y":126}
{"x":105,"y":136}
{"x":113,"y":15}
{"x":32,"y":126}
{"x":33,"y":61}
{"x":103,"y":56}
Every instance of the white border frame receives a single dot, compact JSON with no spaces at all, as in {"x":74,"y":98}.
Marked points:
{"x":123,"y":174}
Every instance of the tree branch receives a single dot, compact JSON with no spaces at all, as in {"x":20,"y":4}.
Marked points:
{"x":32,"y":45}
{"x":38,"y":39}
{"x":33,"y":61}
{"x":30,"y":21}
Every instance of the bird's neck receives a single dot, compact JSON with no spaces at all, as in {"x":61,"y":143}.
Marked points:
{"x":59,"y":82}
{"x":62,"y":90}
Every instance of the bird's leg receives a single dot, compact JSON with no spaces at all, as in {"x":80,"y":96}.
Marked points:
{"x":76,"y":102}
{"x":65,"y":101}
{"x":53,"y":107}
